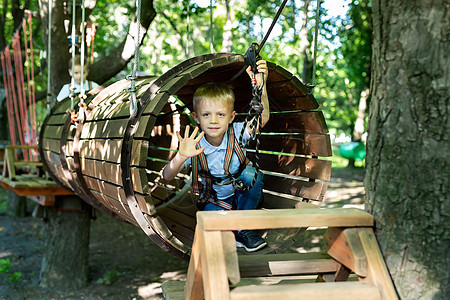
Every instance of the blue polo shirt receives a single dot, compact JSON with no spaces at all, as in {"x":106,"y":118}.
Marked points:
{"x":215,"y":157}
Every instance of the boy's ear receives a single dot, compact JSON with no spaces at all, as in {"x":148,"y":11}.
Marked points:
{"x":233,"y":114}
{"x":70,"y":72}
{"x":194,"y":114}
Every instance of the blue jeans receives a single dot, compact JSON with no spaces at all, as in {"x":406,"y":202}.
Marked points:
{"x":244,"y":199}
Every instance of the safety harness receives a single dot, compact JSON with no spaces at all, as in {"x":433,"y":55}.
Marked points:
{"x":207,"y":193}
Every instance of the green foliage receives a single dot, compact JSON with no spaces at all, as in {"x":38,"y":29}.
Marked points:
{"x":3,"y":201}
{"x":343,"y":54}
{"x":5,"y":265}
{"x":109,"y":277}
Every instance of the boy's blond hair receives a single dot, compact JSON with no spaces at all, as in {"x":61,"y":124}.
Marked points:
{"x":215,"y":91}
{"x":78,"y":62}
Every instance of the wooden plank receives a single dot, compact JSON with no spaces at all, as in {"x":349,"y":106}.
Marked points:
{"x":378,"y":273}
{"x":49,"y":190}
{"x":283,"y":218}
{"x":317,"y":291}
{"x":214,"y":272}
{"x":292,"y":186}
{"x":139,"y":180}
{"x":156,"y":104}
{"x":231,"y":257}
{"x":51,"y":145}
{"x":297,"y":166}
{"x":145,"y":127}
{"x":194,"y":280}
{"x":57,"y":119}
{"x":301,"y":122}
{"x":300,"y":143}
{"x":344,"y":245}
{"x":53,"y":131}
{"x":173,"y":290}
{"x":111,"y":129}
{"x":100,"y":149}
{"x":286,"y":264}
{"x":43,"y":200}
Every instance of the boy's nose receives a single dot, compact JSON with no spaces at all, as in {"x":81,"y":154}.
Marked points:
{"x":213,"y":119}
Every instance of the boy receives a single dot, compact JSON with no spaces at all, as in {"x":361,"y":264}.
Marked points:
{"x":88,"y":85}
{"x":214,"y":113}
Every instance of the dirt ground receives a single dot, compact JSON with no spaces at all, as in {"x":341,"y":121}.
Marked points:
{"x":123,"y":262}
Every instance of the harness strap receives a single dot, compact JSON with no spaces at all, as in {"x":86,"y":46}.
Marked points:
{"x":233,"y":146}
{"x":208,"y":193}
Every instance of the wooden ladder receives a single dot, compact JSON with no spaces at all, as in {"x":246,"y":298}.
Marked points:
{"x":216,"y":271}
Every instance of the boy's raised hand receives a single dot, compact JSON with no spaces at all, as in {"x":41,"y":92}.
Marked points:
{"x":188,"y":143}
{"x":261,"y":66}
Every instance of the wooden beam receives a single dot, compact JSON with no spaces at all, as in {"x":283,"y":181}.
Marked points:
{"x":194,"y":281}
{"x":344,"y":245}
{"x":283,"y":218}
{"x":378,"y":273}
{"x":316,"y":291}
{"x":286,"y":264}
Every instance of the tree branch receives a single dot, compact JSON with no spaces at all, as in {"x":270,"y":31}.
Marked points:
{"x":107,"y":67}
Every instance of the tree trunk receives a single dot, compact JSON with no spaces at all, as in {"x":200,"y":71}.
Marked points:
{"x":304,"y":44}
{"x":17,"y":205}
{"x":65,"y":262}
{"x":407,"y":159}
{"x":227,"y":43}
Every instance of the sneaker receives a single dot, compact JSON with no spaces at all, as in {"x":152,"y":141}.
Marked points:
{"x":249,"y":240}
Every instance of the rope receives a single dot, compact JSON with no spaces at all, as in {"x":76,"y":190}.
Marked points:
{"x":72,"y":81}
{"x":33,"y":90}
{"x":49,"y":53}
{"x":211,"y":43}
{"x":82,"y":94}
{"x":21,"y":94}
{"x":12,"y":131}
{"x":316,"y":32}
{"x":32,"y":125}
{"x":187,"y":30}
{"x":132,"y":78}
{"x":274,"y":21}
{"x":13,"y":99}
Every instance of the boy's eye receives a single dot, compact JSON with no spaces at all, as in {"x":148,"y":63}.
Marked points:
{"x":221,"y":114}
{"x":205,"y":115}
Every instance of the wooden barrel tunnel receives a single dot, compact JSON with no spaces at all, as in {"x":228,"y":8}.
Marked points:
{"x":113,"y":161}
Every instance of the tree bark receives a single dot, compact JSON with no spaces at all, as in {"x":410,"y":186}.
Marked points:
{"x":65,"y":261}
{"x":407,"y":157}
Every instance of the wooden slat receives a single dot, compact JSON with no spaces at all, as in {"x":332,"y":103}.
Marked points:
{"x":51,"y":144}
{"x":298,"y":166}
{"x":305,"y":189}
{"x":111,"y":129}
{"x":57,"y":119}
{"x":283,"y":218}
{"x":53,"y":131}
{"x":304,"y":144}
{"x":301,"y":122}
{"x":286,"y":264}
{"x":100,"y":149}
{"x":319,"y":291}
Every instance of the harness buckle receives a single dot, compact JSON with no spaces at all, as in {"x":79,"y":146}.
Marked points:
{"x":239,"y":185}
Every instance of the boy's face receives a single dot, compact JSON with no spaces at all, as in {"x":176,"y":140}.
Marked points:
{"x":77,"y":74}
{"x":213,"y":118}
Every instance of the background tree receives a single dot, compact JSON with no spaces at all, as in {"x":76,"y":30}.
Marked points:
{"x":408,"y":160}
